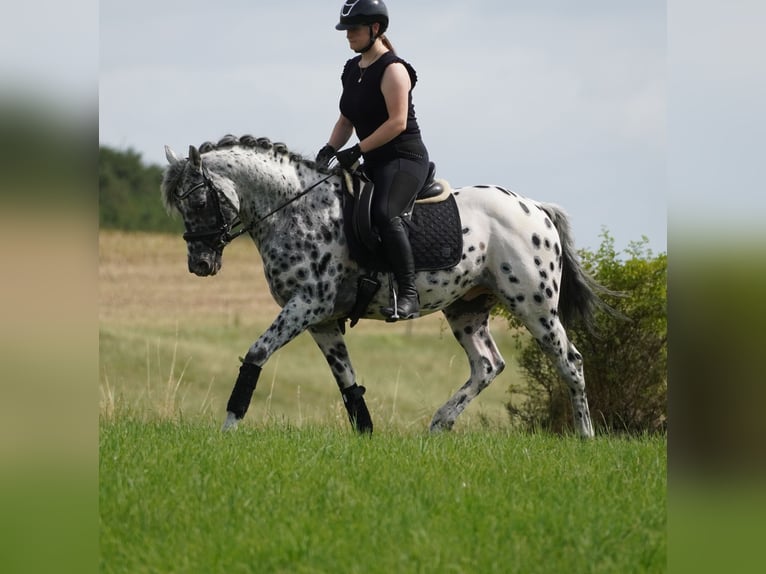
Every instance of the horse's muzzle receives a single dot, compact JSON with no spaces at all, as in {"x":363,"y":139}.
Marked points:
{"x":205,"y":266}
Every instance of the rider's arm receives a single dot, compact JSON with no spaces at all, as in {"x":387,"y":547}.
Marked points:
{"x":341,"y":133}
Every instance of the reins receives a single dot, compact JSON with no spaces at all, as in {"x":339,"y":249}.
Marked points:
{"x":224,"y":231}
{"x":296,"y":198}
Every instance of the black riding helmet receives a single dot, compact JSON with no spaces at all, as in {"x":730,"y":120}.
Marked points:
{"x":363,"y":13}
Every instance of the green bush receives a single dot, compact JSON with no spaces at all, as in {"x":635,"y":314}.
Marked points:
{"x":625,"y":358}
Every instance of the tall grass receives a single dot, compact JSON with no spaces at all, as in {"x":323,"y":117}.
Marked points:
{"x":169,"y":342}
{"x":190,"y":372}
{"x":183,"y":497}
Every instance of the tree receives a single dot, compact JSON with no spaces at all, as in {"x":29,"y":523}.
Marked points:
{"x":129,"y":194}
{"x":625,"y":358}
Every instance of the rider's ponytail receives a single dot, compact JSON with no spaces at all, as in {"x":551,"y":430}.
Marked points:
{"x":387,"y":44}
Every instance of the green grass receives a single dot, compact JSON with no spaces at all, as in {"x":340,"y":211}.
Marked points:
{"x":183,"y":497}
{"x":190,"y":371}
{"x":294,"y":490}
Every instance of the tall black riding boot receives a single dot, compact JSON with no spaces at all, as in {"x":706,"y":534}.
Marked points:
{"x":396,"y":245}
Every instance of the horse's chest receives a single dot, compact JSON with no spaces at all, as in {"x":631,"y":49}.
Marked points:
{"x":302,"y":266}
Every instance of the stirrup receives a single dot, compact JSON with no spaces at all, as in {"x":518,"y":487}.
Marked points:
{"x":394,"y":316}
{"x":394,"y":300}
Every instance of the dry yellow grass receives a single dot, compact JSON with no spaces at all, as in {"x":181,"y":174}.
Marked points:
{"x":170,"y":342}
{"x":143,"y":280}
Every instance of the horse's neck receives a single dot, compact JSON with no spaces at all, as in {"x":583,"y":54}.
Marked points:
{"x":266,"y":185}
{"x":262,"y":183}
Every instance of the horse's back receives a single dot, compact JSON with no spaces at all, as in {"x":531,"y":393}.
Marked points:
{"x":511,"y":226}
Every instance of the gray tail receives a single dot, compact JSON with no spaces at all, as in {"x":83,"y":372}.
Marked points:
{"x":580,"y":294}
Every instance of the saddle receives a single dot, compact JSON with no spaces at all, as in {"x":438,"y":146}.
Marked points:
{"x":433,"y":225}
{"x":361,"y":189}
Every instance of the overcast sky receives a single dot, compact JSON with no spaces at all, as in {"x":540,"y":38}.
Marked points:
{"x":561,"y":101}
{"x":600,"y":106}
{"x":617,"y":110}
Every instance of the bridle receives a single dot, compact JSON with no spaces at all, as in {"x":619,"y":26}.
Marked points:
{"x":224,"y":232}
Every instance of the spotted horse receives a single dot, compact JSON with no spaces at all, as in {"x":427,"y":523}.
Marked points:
{"x":516,"y":252}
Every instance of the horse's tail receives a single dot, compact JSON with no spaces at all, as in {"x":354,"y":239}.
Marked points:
{"x":579,"y":294}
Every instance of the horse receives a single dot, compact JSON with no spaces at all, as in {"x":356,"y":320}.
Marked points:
{"x":516,"y":252}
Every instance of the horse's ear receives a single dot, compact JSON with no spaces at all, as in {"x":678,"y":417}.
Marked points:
{"x":171,"y":156}
{"x":194,"y":157}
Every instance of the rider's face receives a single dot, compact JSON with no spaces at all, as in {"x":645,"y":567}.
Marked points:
{"x":359,"y":36}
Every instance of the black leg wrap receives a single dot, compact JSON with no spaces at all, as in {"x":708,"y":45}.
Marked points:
{"x":358,"y":414}
{"x":243,"y":389}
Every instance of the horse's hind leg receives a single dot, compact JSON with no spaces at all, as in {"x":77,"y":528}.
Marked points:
{"x":329,"y":338}
{"x":553,"y":340}
{"x":469,"y":321}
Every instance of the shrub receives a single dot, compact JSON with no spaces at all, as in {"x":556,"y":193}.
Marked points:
{"x":625,"y":358}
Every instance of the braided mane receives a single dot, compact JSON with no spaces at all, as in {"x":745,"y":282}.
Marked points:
{"x":265,"y":144}
{"x":174,"y":172}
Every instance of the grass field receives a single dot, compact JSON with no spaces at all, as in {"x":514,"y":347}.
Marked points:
{"x":170,"y":342}
{"x":182,"y":497}
{"x":294,"y":490}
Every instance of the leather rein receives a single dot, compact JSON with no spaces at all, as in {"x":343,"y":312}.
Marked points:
{"x":224,"y":231}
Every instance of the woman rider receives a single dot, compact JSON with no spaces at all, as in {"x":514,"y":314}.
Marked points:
{"x":376,"y":103}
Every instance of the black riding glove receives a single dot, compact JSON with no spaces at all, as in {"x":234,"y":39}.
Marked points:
{"x":349,"y":158}
{"x":325,"y":155}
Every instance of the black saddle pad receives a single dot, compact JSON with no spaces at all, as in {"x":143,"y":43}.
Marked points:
{"x":435,"y":234}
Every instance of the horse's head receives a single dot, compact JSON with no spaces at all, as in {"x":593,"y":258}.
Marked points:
{"x":209,"y":207}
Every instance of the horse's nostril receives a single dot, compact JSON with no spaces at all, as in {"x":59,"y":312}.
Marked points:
{"x":200,"y":267}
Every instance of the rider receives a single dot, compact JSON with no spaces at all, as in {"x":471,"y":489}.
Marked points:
{"x":377,"y":103}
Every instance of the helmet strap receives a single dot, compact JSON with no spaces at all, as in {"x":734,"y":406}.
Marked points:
{"x":372,"y":42}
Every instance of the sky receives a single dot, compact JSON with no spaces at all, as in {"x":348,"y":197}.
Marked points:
{"x":628,"y":114}
{"x":562,"y":102}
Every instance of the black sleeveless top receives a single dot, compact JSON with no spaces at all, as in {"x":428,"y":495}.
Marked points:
{"x":362,"y":102}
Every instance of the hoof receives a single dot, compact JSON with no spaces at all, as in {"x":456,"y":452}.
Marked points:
{"x":585,"y":430}
{"x":231,"y":423}
{"x":439,"y":427}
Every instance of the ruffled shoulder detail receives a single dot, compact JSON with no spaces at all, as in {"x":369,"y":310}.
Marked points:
{"x":389,"y":58}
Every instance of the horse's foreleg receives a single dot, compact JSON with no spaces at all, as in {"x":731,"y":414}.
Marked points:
{"x":294,"y":318}
{"x":470,"y":326}
{"x":239,"y":401}
{"x":329,"y":339}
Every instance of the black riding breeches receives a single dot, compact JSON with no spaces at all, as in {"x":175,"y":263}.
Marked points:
{"x":397,"y":183}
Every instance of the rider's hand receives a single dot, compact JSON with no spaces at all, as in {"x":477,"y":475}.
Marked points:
{"x":324,"y":156}
{"x":349,"y":158}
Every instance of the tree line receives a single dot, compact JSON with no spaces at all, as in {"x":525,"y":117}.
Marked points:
{"x":129,"y":193}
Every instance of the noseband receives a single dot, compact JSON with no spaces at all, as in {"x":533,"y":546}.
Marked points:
{"x":224,"y":232}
